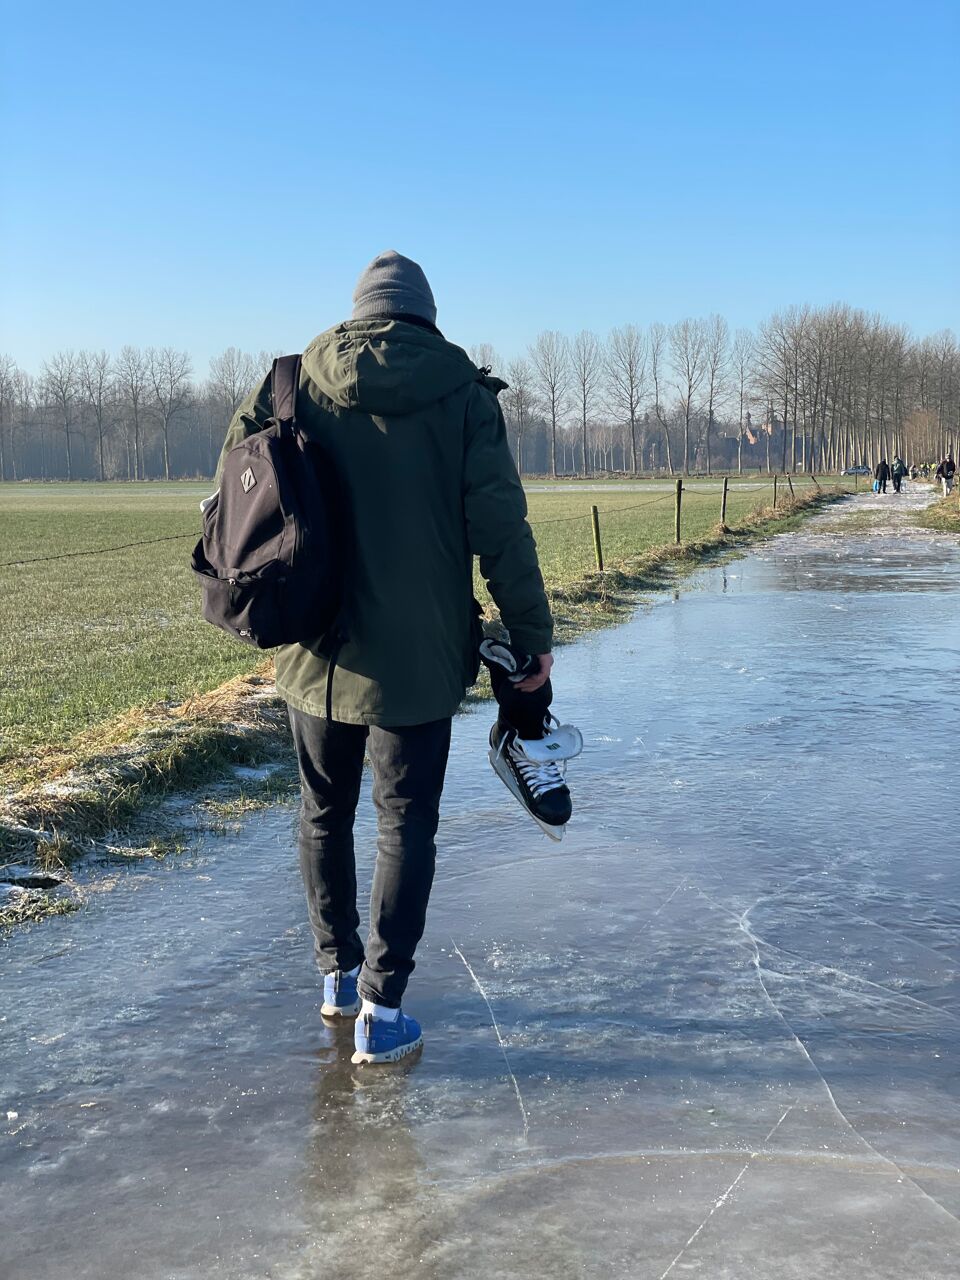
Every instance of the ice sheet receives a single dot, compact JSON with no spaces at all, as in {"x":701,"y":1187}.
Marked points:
{"x":714,"y":1033}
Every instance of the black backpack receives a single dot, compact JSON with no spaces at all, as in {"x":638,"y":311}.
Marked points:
{"x":266,"y":562}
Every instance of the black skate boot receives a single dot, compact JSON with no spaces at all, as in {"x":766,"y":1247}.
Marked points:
{"x":531,"y":770}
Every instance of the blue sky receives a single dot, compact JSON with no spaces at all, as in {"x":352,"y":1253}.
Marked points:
{"x":214,"y":174}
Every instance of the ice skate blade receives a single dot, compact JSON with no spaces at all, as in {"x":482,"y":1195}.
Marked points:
{"x":506,"y":777}
{"x":344,"y":1011}
{"x":361,"y":1059}
{"x":555,"y":833}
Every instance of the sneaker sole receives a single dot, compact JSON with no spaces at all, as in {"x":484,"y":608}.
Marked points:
{"x":393,"y":1055}
{"x":340,"y":1011}
{"x":506,"y":777}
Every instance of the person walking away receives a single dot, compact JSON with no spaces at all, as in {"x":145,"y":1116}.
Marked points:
{"x":946,"y":470}
{"x":898,"y":471}
{"x":882,"y":475}
{"x":412,"y":433}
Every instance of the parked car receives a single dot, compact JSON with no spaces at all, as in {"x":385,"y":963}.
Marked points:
{"x":857,"y":471}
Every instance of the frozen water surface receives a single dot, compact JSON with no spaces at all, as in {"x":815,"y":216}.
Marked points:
{"x":715,"y":1033}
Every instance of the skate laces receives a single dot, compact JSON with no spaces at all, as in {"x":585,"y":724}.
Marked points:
{"x":538,"y":776}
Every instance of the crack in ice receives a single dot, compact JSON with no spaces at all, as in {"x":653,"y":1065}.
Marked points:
{"x":755,"y":943}
{"x":816,"y":964}
{"x":719,"y":1203}
{"x":503,"y":1047}
{"x":895,"y":933}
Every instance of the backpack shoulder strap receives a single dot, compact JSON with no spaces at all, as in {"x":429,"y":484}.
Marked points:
{"x":285,"y":381}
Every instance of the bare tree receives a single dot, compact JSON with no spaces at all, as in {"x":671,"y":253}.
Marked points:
{"x":586,"y":365}
{"x":24,"y":387}
{"x":549,"y":356}
{"x":95,"y":371}
{"x":717,"y":356}
{"x":8,"y":382}
{"x":264,"y":361}
{"x":519,"y":397}
{"x":626,"y":367}
{"x":133,"y":386}
{"x":60,"y":385}
{"x":484,"y":356}
{"x":659,"y":340}
{"x":742,"y":362}
{"x":233,"y":375}
{"x":168,"y":372}
{"x":688,"y":358}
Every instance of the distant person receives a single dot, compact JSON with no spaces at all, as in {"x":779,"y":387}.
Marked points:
{"x":946,"y":470}
{"x":882,"y":475}
{"x":413,"y":434}
{"x":897,"y":473}
{"x":914,"y":471}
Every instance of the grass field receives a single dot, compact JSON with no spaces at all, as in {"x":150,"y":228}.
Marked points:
{"x":86,"y":637}
{"x":944,"y":515}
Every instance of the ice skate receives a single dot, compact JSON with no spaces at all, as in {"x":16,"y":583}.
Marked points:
{"x":532,"y":769}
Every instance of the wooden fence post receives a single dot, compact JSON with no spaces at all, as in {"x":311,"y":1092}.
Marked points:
{"x":815,"y":481}
{"x":723,"y":503}
{"x":790,"y":483}
{"x":597,"y":547}
{"x":679,"y":501}
{"x":774,"y":491}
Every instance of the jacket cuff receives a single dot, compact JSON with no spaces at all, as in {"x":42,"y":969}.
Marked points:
{"x":530,"y":640}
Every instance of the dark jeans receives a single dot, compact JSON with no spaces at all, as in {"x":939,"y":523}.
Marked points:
{"x":408,"y":770}
{"x":897,"y":482}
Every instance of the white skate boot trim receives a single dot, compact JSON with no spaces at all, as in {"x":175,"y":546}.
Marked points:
{"x":563,"y":742}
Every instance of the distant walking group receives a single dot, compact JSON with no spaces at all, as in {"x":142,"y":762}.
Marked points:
{"x":884,"y":472}
{"x":897,"y":471}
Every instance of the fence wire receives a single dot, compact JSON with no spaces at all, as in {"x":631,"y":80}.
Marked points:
{"x":534,"y":524}
{"x":97,"y":551}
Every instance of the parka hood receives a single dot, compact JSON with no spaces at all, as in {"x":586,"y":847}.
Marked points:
{"x":386,"y":367}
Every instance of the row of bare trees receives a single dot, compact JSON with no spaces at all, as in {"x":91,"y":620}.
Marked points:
{"x":134,"y":416}
{"x":813,"y":389}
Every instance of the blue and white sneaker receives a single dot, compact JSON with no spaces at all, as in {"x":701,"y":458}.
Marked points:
{"x":379,"y":1040}
{"x":340,"y":997}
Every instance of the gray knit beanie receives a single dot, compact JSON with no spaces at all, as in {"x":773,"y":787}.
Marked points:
{"x":393,"y":284}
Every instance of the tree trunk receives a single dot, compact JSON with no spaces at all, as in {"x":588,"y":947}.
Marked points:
{"x":709,"y":423}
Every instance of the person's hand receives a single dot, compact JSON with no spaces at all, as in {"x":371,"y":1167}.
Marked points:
{"x":539,"y":678}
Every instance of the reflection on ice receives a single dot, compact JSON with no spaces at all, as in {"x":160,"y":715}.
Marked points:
{"x":714,"y":1033}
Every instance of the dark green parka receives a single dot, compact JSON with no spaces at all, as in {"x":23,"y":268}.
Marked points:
{"x":421,"y":454}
